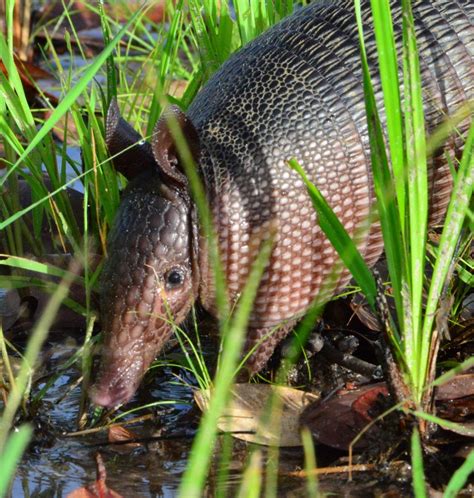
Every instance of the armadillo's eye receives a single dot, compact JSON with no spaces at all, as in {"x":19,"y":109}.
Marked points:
{"x":174,"y":278}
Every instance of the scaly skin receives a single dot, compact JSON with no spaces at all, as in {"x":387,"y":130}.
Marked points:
{"x":296,"y":91}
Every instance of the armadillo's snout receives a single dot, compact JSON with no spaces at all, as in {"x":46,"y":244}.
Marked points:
{"x":121,"y":372}
{"x":123,"y":364}
{"x":134,"y":325}
{"x":110,"y":393}
{"x":135,"y":333}
{"x":111,"y":397}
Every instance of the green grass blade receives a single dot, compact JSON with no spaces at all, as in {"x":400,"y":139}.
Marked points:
{"x":251,"y":484}
{"x":309,"y":463}
{"x":71,"y":97}
{"x":450,"y":374}
{"x":34,"y":266}
{"x":14,"y":449}
{"x":383,"y":183}
{"x":111,"y":76}
{"x":225,"y":460}
{"x":214,"y":34}
{"x":195,"y":360}
{"x":203,"y":445}
{"x":417,"y":188}
{"x":418,"y":473}
{"x":340,"y":239}
{"x":167,"y":55}
{"x":15,"y":216}
{"x":458,"y":208}
{"x":245,"y":20}
{"x":36,"y":340}
{"x":456,"y":427}
{"x":388,"y":66}
{"x":7,"y":57}
{"x":460,"y":477}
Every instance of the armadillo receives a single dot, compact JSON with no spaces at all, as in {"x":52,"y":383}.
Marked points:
{"x":295,"y":91}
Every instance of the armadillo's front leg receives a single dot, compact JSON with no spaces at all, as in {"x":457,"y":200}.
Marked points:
{"x":261,"y":343}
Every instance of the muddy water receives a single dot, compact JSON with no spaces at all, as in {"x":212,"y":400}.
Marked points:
{"x":58,"y":463}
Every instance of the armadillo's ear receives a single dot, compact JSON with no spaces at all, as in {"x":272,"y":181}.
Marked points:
{"x":165,"y":148}
{"x":131,"y":153}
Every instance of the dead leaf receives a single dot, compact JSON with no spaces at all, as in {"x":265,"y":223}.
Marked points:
{"x":98,"y":489}
{"x":361,"y":309}
{"x":464,"y":451}
{"x":338,"y":420}
{"x":118,"y":433}
{"x":262,"y":414}
{"x":366,"y":401}
{"x":459,"y":386}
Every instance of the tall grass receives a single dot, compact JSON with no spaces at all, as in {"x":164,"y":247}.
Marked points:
{"x":13,"y":445}
{"x":404,"y":220}
{"x":401,"y":187}
{"x":30,"y":151}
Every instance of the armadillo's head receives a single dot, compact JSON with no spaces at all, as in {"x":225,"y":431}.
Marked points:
{"x":150,"y":277}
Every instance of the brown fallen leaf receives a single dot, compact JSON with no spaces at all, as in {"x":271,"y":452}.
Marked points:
{"x":155,"y":11}
{"x":361,"y":309}
{"x":460,"y":386}
{"x":336,"y":421}
{"x":365,"y":403}
{"x":98,"y":489}
{"x":464,"y":451}
{"x":82,"y":16}
{"x":262,"y":414}
{"x":118,"y":433}
{"x":459,"y":410}
{"x":339,"y":419}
